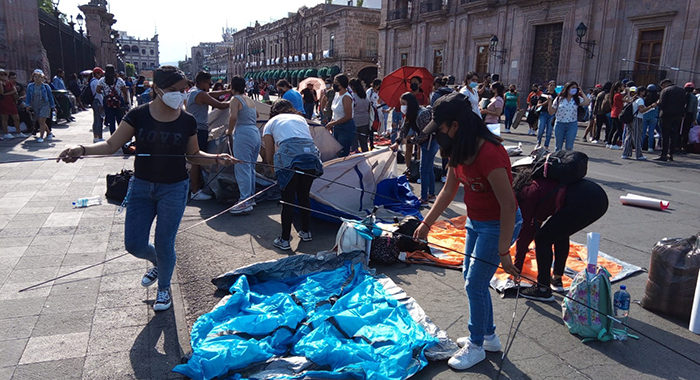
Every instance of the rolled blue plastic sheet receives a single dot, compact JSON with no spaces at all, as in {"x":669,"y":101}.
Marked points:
{"x":342,"y":320}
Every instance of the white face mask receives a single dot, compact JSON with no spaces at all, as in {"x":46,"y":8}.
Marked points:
{"x":173,"y":99}
{"x":404,"y":109}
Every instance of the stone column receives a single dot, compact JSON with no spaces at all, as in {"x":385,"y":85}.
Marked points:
{"x":99,"y":27}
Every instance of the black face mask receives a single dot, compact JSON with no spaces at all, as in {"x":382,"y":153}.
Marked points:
{"x":336,"y":88}
{"x":414,"y":86}
{"x":445,"y":142}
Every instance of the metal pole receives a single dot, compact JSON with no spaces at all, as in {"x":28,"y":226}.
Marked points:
{"x":60,"y":40}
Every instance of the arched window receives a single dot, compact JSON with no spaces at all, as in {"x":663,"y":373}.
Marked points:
{"x":135,"y":49}
{"x":143,"y":51}
{"x":152,"y":52}
{"x":127,"y":49}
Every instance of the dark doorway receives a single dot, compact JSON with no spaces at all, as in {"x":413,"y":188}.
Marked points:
{"x":482,"y":60}
{"x":545,"y":53}
{"x":648,"y":57}
{"x":368,"y":74}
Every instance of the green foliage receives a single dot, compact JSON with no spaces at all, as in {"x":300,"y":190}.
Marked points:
{"x":46,"y":6}
{"x":130,"y":70}
{"x":360,"y":2}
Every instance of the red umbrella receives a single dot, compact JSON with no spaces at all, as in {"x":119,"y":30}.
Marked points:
{"x":399,"y":81}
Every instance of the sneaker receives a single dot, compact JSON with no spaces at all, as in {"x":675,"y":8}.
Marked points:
{"x":491,"y":343}
{"x":241,"y":209}
{"x":538,"y":294}
{"x":467,"y":357}
{"x":650,"y":150}
{"x":556,"y":285}
{"x":39,"y":140}
{"x":150,"y":277}
{"x":661,"y":158}
{"x":607,"y":146}
{"x":305,"y":236}
{"x":21,"y":135}
{"x":163,"y":300}
{"x":49,"y":137}
{"x":201,"y":196}
{"x":594,"y":141}
{"x":615,"y":147}
{"x":641,"y":158}
{"x":584,"y":139}
{"x":443,"y":179}
{"x":625,"y":157}
{"x":8,"y":136}
{"x":282,"y":244}
{"x":507,"y":130}
{"x":97,"y":139}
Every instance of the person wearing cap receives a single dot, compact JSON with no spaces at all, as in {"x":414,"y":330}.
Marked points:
{"x":160,"y":185}
{"x":690,"y":115}
{"x":97,"y":110}
{"x":481,"y":164}
{"x":635,"y":132}
{"x":40,"y":100}
{"x":672,"y":105}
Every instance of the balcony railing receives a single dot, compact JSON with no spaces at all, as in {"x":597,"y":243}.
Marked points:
{"x":397,"y":14}
{"x":430,"y":6}
{"x":369,"y":53}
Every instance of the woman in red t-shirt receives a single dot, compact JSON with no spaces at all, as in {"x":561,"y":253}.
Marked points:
{"x":481,"y":164}
{"x":617,"y":105}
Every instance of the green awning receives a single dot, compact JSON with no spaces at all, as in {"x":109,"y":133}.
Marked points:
{"x":311,"y":73}
{"x":301,"y":74}
{"x":322,"y":72}
{"x":334,"y":70}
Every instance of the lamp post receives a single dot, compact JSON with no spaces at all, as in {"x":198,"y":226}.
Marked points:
{"x":493,"y":48}
{"x":72,"y":34}
{"x":57,"y":13}
{"x":81,"y":61}
{"x":588,"y":46}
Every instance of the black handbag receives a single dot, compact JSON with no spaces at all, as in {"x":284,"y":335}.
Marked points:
{"x":118,"y":185}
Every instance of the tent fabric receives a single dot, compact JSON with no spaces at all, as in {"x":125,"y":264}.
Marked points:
{"x":395,"y":194}
{"x":451,"y":234}
{"x":342,"y":320}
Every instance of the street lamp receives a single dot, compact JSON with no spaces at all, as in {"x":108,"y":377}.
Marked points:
{"x":57,"y":13}
{"x":588,"y":46}
{"x":80,"y":23}
{"x":500,"y":54}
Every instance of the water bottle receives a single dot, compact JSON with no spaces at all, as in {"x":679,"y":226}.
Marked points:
{"x":53,"y":116}
{"x":87,"y":201}
{"x":621,"y":304}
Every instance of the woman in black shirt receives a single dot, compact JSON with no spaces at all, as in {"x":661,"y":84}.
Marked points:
{"x":160,"y":184}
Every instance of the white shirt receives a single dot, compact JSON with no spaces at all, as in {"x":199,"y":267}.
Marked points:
{"x":635,"y":107}
{"x":107,"y":89}
{"x":337,"y":106}
{"x":373,"y":97}
{"x":567,"y":110}
{"x":286,"y":126}
{"x":473,"y":97}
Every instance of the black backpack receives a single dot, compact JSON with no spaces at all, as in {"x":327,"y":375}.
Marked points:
{"x":404,"y":236}
{"x":627,"y":116}
{"x":86,"y":95}
{"x":565,"y":166}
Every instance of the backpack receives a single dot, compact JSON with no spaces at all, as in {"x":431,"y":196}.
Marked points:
{"x":113,"y":100}
{"x":606,"y":106}
{"x":565,"y":166}
{"x":413,"y":171}
{"x":627,"y":116}
{"x":593,"y":290}
{"x":86,"y":95}
{"x":403,"y":236}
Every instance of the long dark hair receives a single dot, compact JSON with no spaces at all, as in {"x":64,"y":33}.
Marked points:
{"x":615,"y":89}
{"x":110,"y":75}
{"x":465,"y":143}
{"x":498,"y":89}
{"x":357,"y":88}
{"x":281,"y":106}
{"x":412,"y":108}
{"x":522,"y":178}
{"x":565,"y":91}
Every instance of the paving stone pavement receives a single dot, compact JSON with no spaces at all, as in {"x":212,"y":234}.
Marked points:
{"x":93,"y":324}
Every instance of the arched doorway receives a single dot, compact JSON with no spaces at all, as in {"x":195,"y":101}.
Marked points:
{"x":368,"y":74}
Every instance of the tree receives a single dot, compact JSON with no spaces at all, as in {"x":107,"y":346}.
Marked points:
{"x":47,"y":6}
{"x":130,"y":70}
{"x":360,"y":2}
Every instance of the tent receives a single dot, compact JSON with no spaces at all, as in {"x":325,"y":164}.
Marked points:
{"x":320,"y":317}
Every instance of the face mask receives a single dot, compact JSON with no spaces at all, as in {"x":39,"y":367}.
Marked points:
{"x":404,"y":109}
{"x":173,"y":99}
{"x":573,"y":91}
{"x":414,"y":86}
{"x":336,"y":88}
{"x":445,"y":142}
{"x":473,"y":84}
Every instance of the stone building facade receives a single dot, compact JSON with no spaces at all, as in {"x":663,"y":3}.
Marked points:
{"x":537,"y":39}
{"x":143,"y":53}
{"x":21,"y":49}
{"x":99,"y":27}
{"x":336,"y":38}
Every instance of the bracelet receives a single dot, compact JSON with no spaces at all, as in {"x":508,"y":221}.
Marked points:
{"x":504,"y":253}
{"x":83,"y":154}
{"x":425,"y":224}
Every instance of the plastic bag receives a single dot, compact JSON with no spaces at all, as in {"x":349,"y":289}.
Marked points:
{"x":673,"y":274}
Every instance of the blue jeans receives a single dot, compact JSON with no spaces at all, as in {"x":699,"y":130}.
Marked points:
{"x":648,"y":128}
{"x":565,"y":132}
{"x":345,"y":134}
{"x":309,"y":110}
{"x":544,"y":128}
{"x":510,"y":113}
{"x":482,"y":243}
{"x":145,"y":201}
{"x":246,"y":147}
{"x":97,"y":118}
{"x":113,"y":116}
{"x":427,"y":174}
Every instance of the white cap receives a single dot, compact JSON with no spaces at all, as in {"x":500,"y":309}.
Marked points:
{"x":38,"y":71}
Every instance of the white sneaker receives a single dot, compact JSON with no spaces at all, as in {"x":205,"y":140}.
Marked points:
{"x":467,"y":357}
{"x":650,"y":150}
{"x":8,"y":136}
{"x":97,"y":139}
{"x":201,"y":196}
{"x":39,"y":140}
{"x":241,"y":209}
{"x":305,"y":236}
{"x":491,"y":343}
{"x":594,"y":141}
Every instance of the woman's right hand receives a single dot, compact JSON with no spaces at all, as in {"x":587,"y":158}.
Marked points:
{"x":394,"y":146}
{"x":421,"y":233}
{"x":71,"y":154}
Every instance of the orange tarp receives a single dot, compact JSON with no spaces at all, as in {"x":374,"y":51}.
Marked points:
{"x":450,"y":234}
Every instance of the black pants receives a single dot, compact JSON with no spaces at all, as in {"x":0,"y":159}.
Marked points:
{"x":599,"y":121}
{"x":298,"y":188}
{"x":615,"y":137}
{"x":585,"y":203}
{"x":365,"y":134}
{"x":685,"y":130}
{"x":670,"y":134}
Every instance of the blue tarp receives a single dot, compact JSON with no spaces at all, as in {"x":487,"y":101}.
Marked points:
{"x":342,"y":320}
{"x":395,"y":194}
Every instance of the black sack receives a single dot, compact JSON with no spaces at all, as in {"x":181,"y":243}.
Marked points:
{"x":565,"y":166}
{"x":384,"y":250}
{"x":118,"y":185}
{"x":404,"y":236}
{"x":413,"y":172}
{"x":627,"y":116}
{"x":673,"y":274}
{"x":86,"y":95}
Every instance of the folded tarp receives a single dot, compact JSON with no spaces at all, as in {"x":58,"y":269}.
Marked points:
{"x":308,"y":317}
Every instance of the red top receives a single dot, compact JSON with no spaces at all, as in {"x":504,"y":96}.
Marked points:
{"x":616,"y":105}
{"x":538,"y":201}
{"x":421,"y":98}
{"x":479,"y":198}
